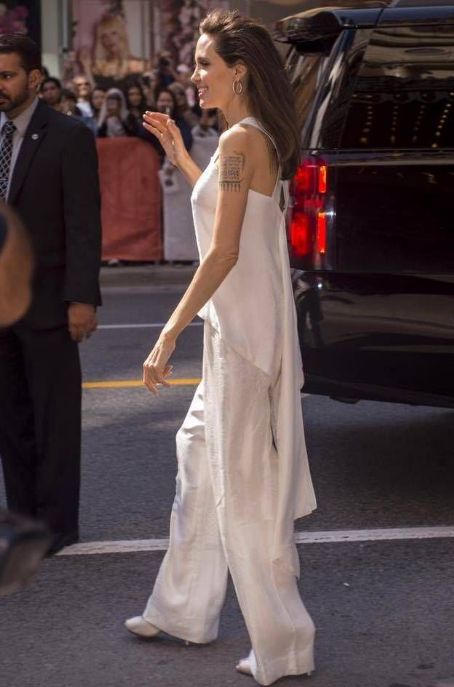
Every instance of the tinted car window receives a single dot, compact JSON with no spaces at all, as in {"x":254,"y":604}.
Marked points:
{"x":322,"y":83}
{"x":306,"y":72}
{"x":404,"y":93}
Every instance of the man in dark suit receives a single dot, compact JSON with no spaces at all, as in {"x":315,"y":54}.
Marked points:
{"x":48,"y":173}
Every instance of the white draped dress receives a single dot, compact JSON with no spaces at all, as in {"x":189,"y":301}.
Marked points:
{"x":243,"y":474}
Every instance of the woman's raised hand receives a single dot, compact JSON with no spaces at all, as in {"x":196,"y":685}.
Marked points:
{"x":167,"y":133}
{"x":156,"y":368}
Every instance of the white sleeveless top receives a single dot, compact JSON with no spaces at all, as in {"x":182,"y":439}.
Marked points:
{"x":254,"y":312}
{"x":247,"y":309}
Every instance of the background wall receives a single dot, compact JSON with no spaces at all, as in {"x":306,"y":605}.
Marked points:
{"x":57,"y":30}
{"x":50,"y":35}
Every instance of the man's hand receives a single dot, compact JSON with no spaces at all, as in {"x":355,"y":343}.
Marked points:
{"x":82,"y":321}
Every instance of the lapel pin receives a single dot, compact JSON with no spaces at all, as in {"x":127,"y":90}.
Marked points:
{"x":35,"y":137}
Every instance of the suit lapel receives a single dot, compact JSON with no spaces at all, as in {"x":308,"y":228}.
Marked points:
{"x":34,"y":135}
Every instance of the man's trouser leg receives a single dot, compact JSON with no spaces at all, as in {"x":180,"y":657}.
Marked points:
{"x":41,"y":447}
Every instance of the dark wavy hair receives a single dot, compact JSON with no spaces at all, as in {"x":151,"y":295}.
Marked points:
{"x":143,"y":101}
{"x":242,"y":39}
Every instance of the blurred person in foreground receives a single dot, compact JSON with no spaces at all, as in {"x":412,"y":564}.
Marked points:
{"x":23,"y":542}
{"x":15,"y":268}
{"x":243,"y":473}
{"x":48,"y":173}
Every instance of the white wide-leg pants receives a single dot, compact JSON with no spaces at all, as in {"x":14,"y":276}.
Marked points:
{"x":222,"y":520}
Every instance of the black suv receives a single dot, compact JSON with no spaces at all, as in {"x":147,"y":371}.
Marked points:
{"x":371,"y":227}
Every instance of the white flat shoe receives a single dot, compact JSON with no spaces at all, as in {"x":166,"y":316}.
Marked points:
{"x":141,"y":627}
{"x":244,"y":665}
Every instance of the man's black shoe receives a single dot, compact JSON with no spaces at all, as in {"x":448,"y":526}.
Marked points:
{"x":60,"y":541}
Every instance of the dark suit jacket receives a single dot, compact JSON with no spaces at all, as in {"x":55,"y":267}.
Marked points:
{"x":55,"y":190}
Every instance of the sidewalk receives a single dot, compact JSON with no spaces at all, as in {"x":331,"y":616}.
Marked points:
{"x":148,"y":275}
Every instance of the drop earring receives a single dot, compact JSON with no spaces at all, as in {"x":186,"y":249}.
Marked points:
{"x":237,"y":87}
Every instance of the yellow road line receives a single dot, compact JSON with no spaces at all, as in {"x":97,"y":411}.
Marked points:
{"x":132,"y":383}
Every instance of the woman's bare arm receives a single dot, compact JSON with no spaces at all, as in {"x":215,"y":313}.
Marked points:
{"x":235,"y":174}
{"x":169,"y":136}
{"x":190,"y":170}
{"x":233,"y":184}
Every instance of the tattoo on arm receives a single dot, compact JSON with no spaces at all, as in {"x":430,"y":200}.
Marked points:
{"x":231,"y":171}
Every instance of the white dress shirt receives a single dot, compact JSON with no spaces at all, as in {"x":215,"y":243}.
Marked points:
{"x":21,"y":122}
{"x":85,"y":108}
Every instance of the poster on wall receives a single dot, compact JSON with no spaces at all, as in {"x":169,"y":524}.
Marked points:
{"x":110,"y":41}
{"x":21,"y":16}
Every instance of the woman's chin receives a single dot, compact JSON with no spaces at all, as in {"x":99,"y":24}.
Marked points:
{"x":205,"y":104}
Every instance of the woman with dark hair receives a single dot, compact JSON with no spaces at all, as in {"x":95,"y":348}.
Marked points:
{"x":136,"y":101}
{"x":137,"y":104}
{"x":190,"y":114}
{"x":243,"y":474}
{"x":166,"y":102}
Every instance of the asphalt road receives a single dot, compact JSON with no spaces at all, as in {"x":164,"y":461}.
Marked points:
{"x":384,"y":610}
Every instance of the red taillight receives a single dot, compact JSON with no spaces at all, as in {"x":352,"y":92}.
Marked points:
{"x":322,"y":223}
{"x":322,"y":178}
{"x":309,"y":221}
{"x":300,"y":234}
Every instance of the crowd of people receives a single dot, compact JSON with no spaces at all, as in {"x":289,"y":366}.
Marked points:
{"x":117,"y":111}
{"x":115,"y":107}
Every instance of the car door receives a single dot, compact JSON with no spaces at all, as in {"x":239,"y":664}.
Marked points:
{"x":389,"y":297}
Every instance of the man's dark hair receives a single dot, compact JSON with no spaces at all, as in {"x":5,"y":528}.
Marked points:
{"x":50,"y":79}
{"x":28,"y":50}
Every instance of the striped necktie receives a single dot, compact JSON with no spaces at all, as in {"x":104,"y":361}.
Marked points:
{"x":6,"y":151}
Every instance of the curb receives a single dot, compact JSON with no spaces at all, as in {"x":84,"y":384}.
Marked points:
{"x":149,"y":275}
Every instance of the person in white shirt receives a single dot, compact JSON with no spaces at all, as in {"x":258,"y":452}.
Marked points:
{"x":83,"y":91}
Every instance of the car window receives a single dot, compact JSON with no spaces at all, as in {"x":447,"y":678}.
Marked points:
{"x":404,"y":93}
{"x":322,"y":85}
{"x":305,"y":72}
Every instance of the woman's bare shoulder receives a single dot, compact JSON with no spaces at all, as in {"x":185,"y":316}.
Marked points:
{"x":247,"y":140}
{"x":260,"y":151}
{"x":250,"y":150}
{"x":235,"y":142}
{"x":235,"y":134}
